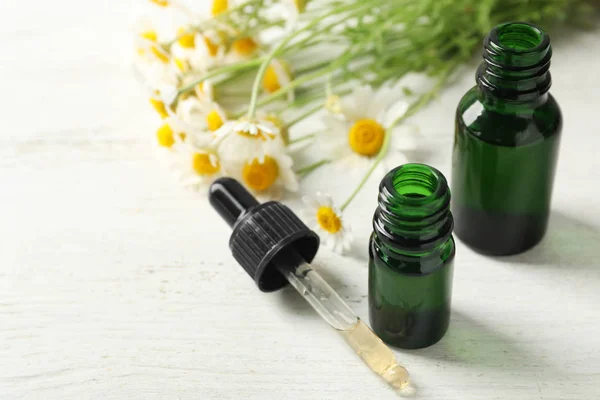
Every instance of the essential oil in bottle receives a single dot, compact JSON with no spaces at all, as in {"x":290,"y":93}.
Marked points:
{"x":411,"y":258}
{"x":506,"y":144}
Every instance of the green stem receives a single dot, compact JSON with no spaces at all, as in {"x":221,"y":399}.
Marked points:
{"x":220,"y":71}
{"x":305,"y":114}
{"x":302,"y":139}
{"x":310,"y":168}
{"x":310,"y":68}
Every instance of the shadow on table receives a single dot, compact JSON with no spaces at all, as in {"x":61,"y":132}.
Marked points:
{"x":469,"y":342}
{"x":570,"y":244}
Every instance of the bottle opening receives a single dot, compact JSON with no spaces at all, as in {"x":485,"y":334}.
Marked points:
{"x":516,"y":60}
{"x":415,"y":181}
{"x":519,"y":37}
{"x":413,"y":215}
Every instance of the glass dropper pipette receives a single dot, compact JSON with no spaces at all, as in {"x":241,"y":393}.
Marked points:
{"x":275,"y":247}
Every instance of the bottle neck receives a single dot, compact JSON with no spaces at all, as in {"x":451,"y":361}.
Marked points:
{"x":516,"y":64}
{"x":413,"y":218}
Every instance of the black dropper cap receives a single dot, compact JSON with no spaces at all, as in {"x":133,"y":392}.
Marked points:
{"x":261,"y":232}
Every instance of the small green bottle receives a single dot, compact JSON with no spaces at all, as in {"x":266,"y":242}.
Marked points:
{"x":506,"y":144}
{"x":410,"y":258}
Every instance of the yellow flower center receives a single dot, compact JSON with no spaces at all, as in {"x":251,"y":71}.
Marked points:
{"x":164,"y":134}
{"x":181,"y":64}
{"x":244,"y":46}
{"x":187,"y":40}
{"x":328,"y":219}
{"x":202,"y":164}
{"x":260,"y":176}
{"x":160,"y":108}
{"x":149,"y":35}
{"x":300,"y":5}
{"x":271,"y":80}
{"x":212,"y":47}
{"x":219,"y":6}
{"x":366,"y":137}
{"x":162,"y":3}
{"x":214,"y":120}
{"x":159,"y":54}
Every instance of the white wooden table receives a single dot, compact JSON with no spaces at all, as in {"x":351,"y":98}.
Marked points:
{"x":115,"y":283}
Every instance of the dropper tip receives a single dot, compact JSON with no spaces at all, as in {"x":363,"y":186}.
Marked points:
{"x":397,"y":377}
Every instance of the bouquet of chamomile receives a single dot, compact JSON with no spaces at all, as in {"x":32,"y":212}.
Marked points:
{"x":232,"y":80}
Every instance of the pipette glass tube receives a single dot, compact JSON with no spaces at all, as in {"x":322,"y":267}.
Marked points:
{"x":275,"y":247}
{"x":330,"y":306}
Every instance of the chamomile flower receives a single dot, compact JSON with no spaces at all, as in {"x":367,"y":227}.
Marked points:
{"x":278,"y":75}
{"x":242,"y":49}
{"x":145,"y":40}
{"x":170,"y":133}
{"x":186,"y":38}
{"x":196,"y":50}
{"x":356,"y":135}
{"x":215,"y":116}
{"x":268,"y":176}
{"x":243,"y":140}
{"x":153,"y":63}
{"x":219,"y":7}
{"x":325,"y":218}
{"x":196,"y":164}
{"x":148,"y":36}
{"x":158,"y":105}
{"x":200,"y":115}
{"x":209,"y":50}
{"x":205,"y":90}
{"x":183,"y":49}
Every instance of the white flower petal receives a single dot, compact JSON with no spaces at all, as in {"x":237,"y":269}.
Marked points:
{"x":363,"y":96}
{"x":379,"y":103}
{"x":348,"y":109}
{"x":310,"y":203}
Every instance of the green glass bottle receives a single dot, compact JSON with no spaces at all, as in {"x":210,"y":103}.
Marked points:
{"x":410,"y":258}
{"x":506,"y":144}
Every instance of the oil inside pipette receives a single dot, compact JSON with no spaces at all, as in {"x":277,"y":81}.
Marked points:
{"x":376,"y":355}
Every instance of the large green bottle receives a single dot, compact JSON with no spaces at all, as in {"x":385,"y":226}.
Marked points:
{"x":506,"y":144}
{"x":411,"y":253}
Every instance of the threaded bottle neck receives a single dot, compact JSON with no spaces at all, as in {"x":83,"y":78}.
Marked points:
{"x":516,"y":63}
{"x":413,"y":216}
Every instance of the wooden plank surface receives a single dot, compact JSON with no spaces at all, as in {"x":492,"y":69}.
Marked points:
{"x":115,"y":283}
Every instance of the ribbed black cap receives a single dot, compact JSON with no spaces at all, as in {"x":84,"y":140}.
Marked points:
{"x":261,"y":232}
